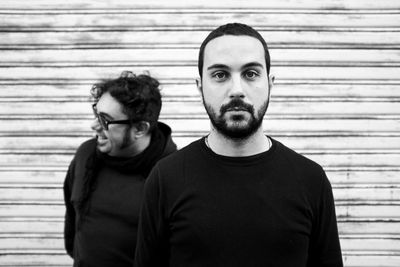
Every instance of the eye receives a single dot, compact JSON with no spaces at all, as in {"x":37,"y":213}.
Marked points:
{"x":103,"y":119}
{"x":251,"y":74}
{"x":220,"y":75}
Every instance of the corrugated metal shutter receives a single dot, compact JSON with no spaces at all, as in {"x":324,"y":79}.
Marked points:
{"x":336,"y":100}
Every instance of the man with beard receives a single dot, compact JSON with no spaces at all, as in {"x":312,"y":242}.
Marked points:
{"x":103,"y":188}
{"x":237,"y":197}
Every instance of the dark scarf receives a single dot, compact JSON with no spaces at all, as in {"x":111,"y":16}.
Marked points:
{"x":139,"y":164}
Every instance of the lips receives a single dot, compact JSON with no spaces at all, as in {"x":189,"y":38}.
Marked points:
{"x":237,"y":105}
{"x":237,"y":109}
{"x":101,"y":139}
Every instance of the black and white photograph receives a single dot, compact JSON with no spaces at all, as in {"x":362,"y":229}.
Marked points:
{"x":231,"y":133}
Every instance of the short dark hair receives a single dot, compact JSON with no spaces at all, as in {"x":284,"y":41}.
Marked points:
{"x":236,"y":29}
{"x":138,"y":94}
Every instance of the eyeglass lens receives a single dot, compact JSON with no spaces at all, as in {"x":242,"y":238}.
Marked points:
{"x":101,"y":119}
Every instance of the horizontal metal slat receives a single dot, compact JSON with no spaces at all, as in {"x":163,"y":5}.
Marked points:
{"x":274,"y":4}
{"x":174,"y":38}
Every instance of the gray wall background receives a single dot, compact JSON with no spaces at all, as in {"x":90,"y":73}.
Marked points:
{"x":336,"y":100}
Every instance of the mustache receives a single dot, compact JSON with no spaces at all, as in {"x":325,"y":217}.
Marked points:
{"x":237,"y":103}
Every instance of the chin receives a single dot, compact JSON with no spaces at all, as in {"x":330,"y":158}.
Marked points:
{"x":239,"y":129}
{"x":104,"y":149}
{"x":238,"y":125}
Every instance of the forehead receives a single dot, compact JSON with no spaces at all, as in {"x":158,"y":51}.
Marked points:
{"x":108,"y":104}
{"x":233,"y":50}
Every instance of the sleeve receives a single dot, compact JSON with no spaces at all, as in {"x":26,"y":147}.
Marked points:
{"x":69,"y":223}
{"x":324,"y":244}
{"x":152,"y":242}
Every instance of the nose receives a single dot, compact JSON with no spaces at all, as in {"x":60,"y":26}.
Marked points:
{"x":236,"y":87}
{"x":95,"y":125}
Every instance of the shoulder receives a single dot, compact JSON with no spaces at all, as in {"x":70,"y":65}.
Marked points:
{"x":179,"y":157}
{"x":296,"y":159}
{"x":172,"y":170}
{"x":83,"y":152}
{"x":169,"y":146}
{"x":86,"y":147}
{"x":308,"y":172}
{"x":170,"y":177}
{"x":78,"y":163}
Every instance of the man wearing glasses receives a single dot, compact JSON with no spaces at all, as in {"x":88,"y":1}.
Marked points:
{"x":104,"y":183}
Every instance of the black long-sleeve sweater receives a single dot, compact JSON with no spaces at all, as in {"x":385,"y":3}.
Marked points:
{"x":272,"y":209}
{"x":101,"y":230}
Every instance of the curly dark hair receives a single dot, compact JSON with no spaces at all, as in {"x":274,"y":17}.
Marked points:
{"x":139,"y":95}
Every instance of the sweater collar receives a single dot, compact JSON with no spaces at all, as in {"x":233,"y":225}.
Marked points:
{"x":141,"y":163}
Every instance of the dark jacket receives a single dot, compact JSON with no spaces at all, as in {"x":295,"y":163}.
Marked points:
{"x":103,"y":195}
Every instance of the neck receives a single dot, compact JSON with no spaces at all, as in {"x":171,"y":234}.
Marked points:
{"x":225,"y":146}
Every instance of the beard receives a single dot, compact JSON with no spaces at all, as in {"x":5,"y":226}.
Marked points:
{"x":237,"y":126}
{"x":127,"y":140}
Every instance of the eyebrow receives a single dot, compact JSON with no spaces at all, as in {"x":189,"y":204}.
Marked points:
{"x":108,"y":116}
{"x":253,"y":64}
{"x":218,"y":66}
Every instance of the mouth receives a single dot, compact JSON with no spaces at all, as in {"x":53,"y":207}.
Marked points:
{"x":237,"y":109}
{"x":237,"y":106}
{"x":101,"y":139}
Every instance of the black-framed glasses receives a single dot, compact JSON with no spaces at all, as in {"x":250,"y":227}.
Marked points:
{"x":104,"y":122}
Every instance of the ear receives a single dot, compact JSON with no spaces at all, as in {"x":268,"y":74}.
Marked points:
{"x":141,"y":129}
{"x":271,"y":80}
{"x":198,"y":84}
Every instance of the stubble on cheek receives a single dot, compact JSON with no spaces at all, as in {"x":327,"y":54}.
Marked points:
{"x":127,"y":140}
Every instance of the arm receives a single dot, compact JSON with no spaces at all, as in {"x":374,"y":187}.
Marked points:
{"x":69,"y":225}
{"x":152,"y":243}
{"x":324,"y":244}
